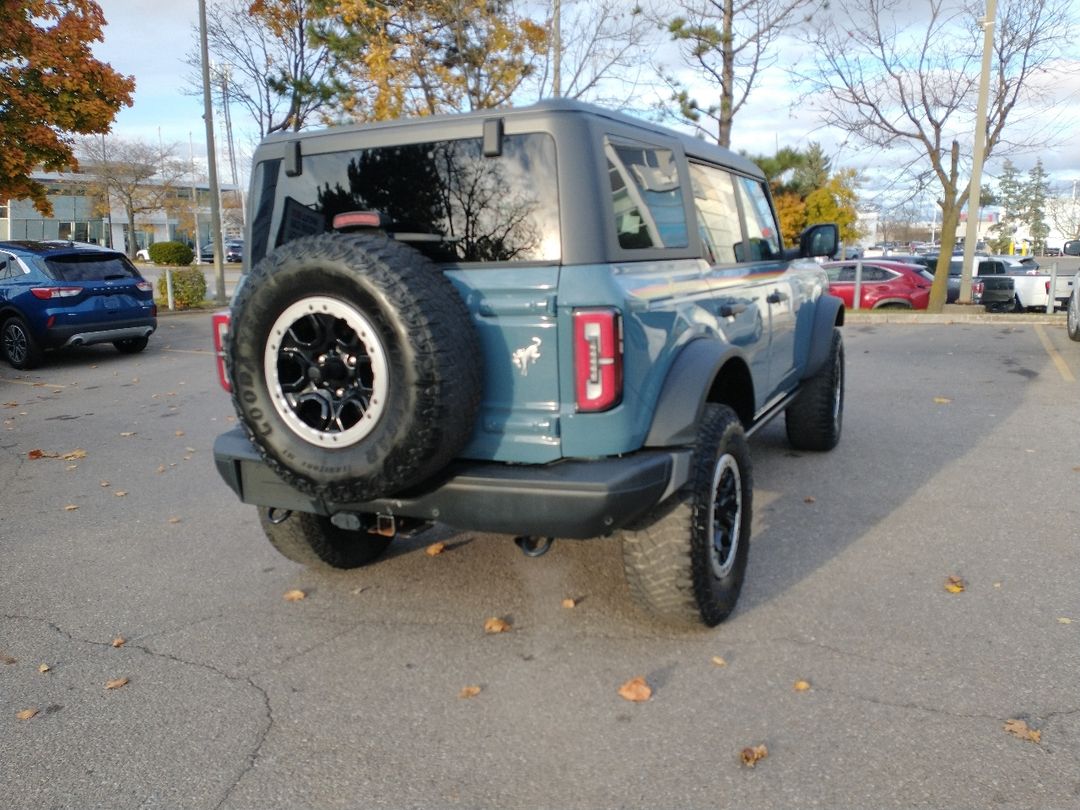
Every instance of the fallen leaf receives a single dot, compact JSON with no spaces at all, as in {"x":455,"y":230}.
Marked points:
{"x":7,"y":659}
{"x":496,"y":625}
{"x":636,"y":690}
{"x":119,"y":641}
{"x":809,"y":499}
{"x":72,"y":466}
{"x":190,"y":449}
{"x":942,"y":400}
{"x":43,"y":668}
{"x":751,"y":755}
{"x":175,"y":519}
{"x":469,"y":692}
{"x":74,"y":455}
{"x":1019,"y":728}
{"x":37,"y":453}
{"x":569,"y":602}
{"x":179,"y":433}
{"x":71,"y":507}
{"x":120,"y":493}
{"x":11,"y":404}
{"x":116,"y":683}
{"x":26,"y":714}
{"x":295,"y":595}
{"x":128,"y":433}
{"x":802,"y":686}
{"x":718,"y":661}
{"x":1076,"y":469}
{"x":1064,"y":620}
{"x":435,"y":549}
{"x":954,"y":584}
{"x":161,"y":468}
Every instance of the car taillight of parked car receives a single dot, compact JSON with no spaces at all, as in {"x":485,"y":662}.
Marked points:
{"x":598,"y":351}
{"x":221,"y":329}
{"x":144,"y":286}
{"x":47,"y":293}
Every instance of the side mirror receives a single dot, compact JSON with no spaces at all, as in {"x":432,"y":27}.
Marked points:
{"x":819,"y":240}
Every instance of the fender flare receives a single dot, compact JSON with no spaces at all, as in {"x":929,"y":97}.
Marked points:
{"x":686,"y":391}
{"x":828,"y":313}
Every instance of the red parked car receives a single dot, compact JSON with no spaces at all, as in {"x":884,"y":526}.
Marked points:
{"x":883,"y":284}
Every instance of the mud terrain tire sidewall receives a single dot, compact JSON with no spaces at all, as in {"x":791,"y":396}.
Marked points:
{"x":428,"y":347}
{"x":816,"y":417}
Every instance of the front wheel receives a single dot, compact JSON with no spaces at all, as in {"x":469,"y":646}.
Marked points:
{"x":685,"y":562}
{"x":814,"y":419}
{"x":1073,"y":317}
{"x":314,"y":541}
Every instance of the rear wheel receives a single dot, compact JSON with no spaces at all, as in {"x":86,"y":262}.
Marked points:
{"x":314,"y":541}
{"x":19,"y":346}
{"x":131,"y":345}
{"x":686,"y":561}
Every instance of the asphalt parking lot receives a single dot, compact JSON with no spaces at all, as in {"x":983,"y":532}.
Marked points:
{"x":125,"y":557}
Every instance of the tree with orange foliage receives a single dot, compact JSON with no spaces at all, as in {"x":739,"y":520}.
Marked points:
{"x":51,"y":88}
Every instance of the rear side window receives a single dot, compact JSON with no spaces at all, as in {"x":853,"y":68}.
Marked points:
{"x":444,"y":198}
{"x":90,"y":267}
{"x":717,"y":213}
{"x":647,"y":197}
{"x":761,"y":225}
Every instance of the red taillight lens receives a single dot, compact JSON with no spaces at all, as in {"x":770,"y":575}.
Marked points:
{"x":598,"y":369}
{"x":145,"y":286}
{"x":47,"y":293}
{"x":221,"y":328}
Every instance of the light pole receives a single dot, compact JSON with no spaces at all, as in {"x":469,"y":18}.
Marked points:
{"x":211,"y":159}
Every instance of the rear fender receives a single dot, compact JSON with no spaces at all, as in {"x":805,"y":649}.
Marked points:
{"x":828,"y":313}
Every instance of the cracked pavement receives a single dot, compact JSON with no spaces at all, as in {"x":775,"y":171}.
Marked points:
{"x":237,"y":698}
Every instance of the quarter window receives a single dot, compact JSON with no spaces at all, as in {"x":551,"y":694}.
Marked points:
{"x":647,"y":197}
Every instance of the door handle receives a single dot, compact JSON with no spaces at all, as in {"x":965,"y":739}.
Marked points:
{"x":731,"y":310}
{"x":775,"y":297}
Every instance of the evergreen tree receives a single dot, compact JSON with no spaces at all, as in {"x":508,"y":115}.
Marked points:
{"x":1036,"y":194}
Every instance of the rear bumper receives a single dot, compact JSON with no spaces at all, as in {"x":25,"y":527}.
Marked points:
{"x":570,"y":499}
{"x":87,"y":334}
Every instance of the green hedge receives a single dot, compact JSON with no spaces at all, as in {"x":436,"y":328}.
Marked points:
{"x":175,"y":253}
{"x":189,"y":287}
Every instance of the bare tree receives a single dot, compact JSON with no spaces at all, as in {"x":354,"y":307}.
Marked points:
{"x":729,"y":43}
{"x":276,"y":72}
{"x":142,"y":177}
{"x":605,"y":52}
{"x":912,"y":89}
{"x":1064,"y":211}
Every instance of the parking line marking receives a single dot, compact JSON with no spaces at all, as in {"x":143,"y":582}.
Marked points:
{"x":1059,"y":361}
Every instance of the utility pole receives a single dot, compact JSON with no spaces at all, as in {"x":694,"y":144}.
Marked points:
{"x":211,"y":158}
{"x":556,"y":47}
{"x":979,"y":153}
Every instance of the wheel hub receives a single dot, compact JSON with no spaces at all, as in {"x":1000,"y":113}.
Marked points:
{"x":327,"y":371}
{"x":725,"y":515}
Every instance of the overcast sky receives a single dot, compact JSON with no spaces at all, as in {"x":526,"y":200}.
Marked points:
{"x":150,"y":40}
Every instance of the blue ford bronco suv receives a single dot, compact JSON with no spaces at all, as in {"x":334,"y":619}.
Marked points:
{"x":551,"y":321}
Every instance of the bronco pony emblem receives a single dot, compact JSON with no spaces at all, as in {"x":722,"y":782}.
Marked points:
{"x":526,"y":355}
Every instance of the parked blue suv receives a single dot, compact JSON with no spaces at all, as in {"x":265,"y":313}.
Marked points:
{"x":55,"y":294}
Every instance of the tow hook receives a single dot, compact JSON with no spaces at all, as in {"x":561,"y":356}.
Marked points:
{"x":277,"y":516}
{"x":534,"y":546}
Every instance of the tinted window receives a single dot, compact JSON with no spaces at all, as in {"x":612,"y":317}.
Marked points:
{"x":444,"y":198}
{"x":90,"y":267}
{"x":647,"y":197}
{"x":761,"y":225}
{"x":717,"y":212}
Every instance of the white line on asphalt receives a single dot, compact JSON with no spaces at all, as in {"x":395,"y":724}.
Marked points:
{"x":1059,"y":361}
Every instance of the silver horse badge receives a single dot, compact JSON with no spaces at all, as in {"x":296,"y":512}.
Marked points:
{"x":526,"y":355}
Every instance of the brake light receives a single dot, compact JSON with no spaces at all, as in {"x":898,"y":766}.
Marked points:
{"x":598,"y":369}
{"x":48,"y":293}
{"x":221,"y":329}
{"x":357,"y":219}
{"x":977,"y":291}
{"x":144,"y":286}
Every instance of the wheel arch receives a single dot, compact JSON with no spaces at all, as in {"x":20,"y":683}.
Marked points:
{"x":828,"y":314}
{"x":685,"y":394}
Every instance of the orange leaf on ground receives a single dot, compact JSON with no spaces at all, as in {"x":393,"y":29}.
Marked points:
{"x":295,"y":595}
{"x":43,"y":668}
{"x":954,"y":584}
{"x":435,"y":549}
{"x":802,"y":686}
{"x":469,"y":692}
{"x":751,"y":755}
{"x":26,"y":714}
{"x":569,"y":602}
{"x":636,"y":690}
{"x":1019,"y":728}
{"x":496,"y":625}
{"x":119,"y":641}
{"x":116,"y":683}
{"x":37,"y":453}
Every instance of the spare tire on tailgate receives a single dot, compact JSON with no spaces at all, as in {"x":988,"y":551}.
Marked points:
{"x":356,"y":369}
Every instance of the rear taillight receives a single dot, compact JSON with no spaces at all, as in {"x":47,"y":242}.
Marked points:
{"x":47,"y":293}
{"x":598,"y":369}
{"x":221,"y":329}
{"x":144,"y":286}
{"x":977,"y":291}
{"x":1048,"y":288}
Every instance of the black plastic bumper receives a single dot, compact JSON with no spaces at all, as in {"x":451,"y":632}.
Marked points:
{"x":571,"y":499}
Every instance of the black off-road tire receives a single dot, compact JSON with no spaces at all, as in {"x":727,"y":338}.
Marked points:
{"x":19,"y":346}
{"x":1072,"y":317}
{"x":356,"y":369}
{"x":815,"y":418}
{"x":685,"y":562}
{"x":131,"y":345}
{"x":314,"y":541}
